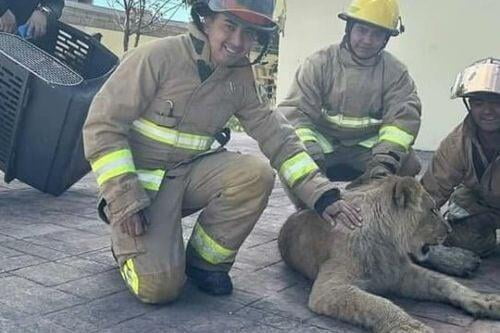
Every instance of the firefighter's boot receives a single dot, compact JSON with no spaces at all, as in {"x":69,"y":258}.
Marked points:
{"x":212,"y":282}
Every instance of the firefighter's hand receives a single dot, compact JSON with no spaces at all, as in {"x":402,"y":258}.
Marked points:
{"x":344,"y":212}
{"x":374,"y":171}
{"x":135,"y":225}
{"x":37,"y":24}
{"x":8,"y":22}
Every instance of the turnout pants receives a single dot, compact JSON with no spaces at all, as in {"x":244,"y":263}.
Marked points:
{"x":230,"y":189}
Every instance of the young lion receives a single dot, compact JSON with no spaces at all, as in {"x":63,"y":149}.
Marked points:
{"x":351,"y":266}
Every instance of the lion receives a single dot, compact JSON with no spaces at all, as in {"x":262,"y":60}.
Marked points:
{"x":351,"y":268}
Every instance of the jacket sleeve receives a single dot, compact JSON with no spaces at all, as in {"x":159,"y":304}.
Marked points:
{"x":56,"y":6}
{"x":120,"y":101}
{"x":401,"y":120}
{"x":446,"y":171}
{"x":303,"y":105}
{"x":278,"y":141}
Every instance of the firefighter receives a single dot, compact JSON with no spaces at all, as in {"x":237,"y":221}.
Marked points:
{"x":34,"y":15}
{"x":353,"y":104}
{"x":149,"y":137}
{"x":465,"y":170}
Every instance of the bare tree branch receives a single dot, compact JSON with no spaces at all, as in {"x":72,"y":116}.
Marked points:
{"x":136,"y":17}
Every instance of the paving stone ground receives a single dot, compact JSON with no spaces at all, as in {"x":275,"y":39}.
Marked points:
{"x":57,"y":275}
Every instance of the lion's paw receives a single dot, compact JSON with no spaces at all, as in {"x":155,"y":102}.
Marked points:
{"x":410,"y":327}
{"x":484,"y":305}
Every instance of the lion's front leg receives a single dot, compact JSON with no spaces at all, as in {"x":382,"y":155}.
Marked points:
{"x":332,"y":296}
{"x":420,"y":283}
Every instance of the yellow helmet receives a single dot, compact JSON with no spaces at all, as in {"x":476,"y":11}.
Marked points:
{"x":381,"y":13}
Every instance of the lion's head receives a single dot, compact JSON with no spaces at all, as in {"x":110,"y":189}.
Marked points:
{"x":400,"y":216}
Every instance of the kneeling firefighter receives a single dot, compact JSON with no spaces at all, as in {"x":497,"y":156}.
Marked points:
{"x":354,"y":104}
{"x":465,"y":172}
{"x":149,"y":137}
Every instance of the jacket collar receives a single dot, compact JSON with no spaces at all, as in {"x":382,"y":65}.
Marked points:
{"x":200,"y":47}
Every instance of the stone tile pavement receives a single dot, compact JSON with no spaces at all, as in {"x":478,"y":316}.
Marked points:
{"x":57,"y":275}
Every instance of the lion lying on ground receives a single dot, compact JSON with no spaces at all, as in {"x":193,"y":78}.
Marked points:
{"x":349,"y":267}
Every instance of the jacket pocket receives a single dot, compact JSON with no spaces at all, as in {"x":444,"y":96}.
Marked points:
{"x":164,"y":115}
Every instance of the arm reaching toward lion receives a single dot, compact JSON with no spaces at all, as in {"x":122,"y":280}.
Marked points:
{"x":344,"y":212}
{"x":333,"y":208}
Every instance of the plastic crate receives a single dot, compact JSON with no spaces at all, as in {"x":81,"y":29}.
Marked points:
{"x":45,"y":93}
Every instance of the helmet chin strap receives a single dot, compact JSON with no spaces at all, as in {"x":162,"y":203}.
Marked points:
{"x":346,"y":41}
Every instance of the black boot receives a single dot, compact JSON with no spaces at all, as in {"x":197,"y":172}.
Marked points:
{"x":211,"y":282}
{"x":452,"y":260}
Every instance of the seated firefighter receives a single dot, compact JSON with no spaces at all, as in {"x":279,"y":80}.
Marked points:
{"x":465,"y":170}
{"x":353,"y":104}
{"x":149,"y":136}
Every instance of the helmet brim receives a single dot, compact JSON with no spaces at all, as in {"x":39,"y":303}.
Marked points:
{"x":347,"y":17}
{"x":269,"y":27}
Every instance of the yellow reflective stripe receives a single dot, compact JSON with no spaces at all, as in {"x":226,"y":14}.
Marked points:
{"x":172,"y":137}
{"x":112,"y":165}
{"x":369,"y":143}
{"x":352,"y":122}
{"x":209,"y":249}
{"x":297,"y":167}
{"x":130,"y":275}
{"x":151,"y":179}
{"x":307,"y":134}
{"x":396,"y":135}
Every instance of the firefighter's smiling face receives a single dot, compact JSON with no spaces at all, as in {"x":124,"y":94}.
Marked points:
{"x":485,"y":111}
{"x":229,"y":40}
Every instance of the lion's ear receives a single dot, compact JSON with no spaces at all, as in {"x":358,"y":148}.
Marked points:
{"x":404,"y":192}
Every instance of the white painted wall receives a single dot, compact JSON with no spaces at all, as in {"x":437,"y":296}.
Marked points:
{"x":441,"y":38}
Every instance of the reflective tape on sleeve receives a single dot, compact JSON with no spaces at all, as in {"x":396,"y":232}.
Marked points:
{"x":112,"y":165}
{"x":396,"y":135}
{"x":171,"y":136}
{"x":209,"y":249}
{"x":306,"y":134}
{"x":297,"y":167}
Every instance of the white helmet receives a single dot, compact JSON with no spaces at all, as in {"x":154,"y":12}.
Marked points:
{"x":483,"y":76}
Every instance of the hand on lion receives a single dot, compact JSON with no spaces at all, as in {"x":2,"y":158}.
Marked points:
{"x":344,"y":212}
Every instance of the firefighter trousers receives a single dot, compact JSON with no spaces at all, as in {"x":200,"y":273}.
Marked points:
{"x":230,"y":189}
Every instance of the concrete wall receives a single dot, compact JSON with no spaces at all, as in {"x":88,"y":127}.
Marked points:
{"x":441,"y":38}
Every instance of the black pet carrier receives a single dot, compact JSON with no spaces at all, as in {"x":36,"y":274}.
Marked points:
{"x":45,"y":93}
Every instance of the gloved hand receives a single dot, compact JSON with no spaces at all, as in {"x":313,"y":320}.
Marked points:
{"x":134,"y":225}
{"x":374,"y":170}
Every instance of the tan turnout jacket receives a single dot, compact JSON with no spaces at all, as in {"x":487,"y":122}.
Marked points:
{"x":453,"y":164}
{"x":155,"y":112}
{"x":335,"y":100}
